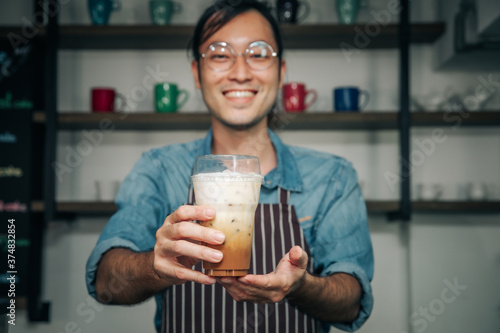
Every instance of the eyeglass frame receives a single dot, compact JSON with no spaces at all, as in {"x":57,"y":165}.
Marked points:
{"x":244,"y":54}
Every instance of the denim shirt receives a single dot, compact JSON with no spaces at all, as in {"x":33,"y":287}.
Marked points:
{"x":323,"y":189}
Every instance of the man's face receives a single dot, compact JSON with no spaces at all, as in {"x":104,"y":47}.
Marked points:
{"x":240,"y":97}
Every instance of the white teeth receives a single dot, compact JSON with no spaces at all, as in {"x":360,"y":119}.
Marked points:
{"x":239,"y":93}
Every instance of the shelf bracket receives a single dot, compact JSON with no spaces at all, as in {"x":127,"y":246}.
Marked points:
{"x":50,"y":103}
{"x":404,"y":120}
{"x":39,"y":311}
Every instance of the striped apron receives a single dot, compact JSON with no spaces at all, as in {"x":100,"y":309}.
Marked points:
{"x":194,"y":307}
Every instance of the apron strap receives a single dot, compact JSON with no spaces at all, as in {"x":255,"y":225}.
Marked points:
{"x":283,"y":196}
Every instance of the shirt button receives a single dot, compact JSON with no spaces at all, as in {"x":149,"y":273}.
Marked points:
{"x":268,"y":182}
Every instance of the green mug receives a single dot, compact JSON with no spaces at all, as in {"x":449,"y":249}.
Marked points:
{"x":162,"y":10}
{"x":347,"y":10}
{"x":167,"y":97}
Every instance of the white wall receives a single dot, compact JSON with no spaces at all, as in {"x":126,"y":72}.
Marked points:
{"x":433,"y":248}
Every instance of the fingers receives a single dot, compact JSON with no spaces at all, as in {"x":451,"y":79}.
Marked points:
{"x":189,"y":249}
{"x":273,"y":287}
{"x":178,"y":245}
{"x":290,"y":269}
{"x":179,"y":274}
{"x":298,"y":257}
{"x":259,"y":281}
{"x":190,"y":213}
{"x":241,"y":291}
{"x":188,"y":230}
{"x":176,"y":225}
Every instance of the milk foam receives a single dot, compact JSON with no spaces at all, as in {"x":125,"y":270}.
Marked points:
{"x":228,"y":176}
{"x":227,"y":187}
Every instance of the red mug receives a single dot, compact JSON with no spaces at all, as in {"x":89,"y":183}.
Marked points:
{"x":294,"y":97}
{"x":105,"y":99}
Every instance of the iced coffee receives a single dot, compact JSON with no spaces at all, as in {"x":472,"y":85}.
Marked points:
{"x":235,"y":197}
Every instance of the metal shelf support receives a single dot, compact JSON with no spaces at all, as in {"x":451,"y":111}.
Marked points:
{"x":404,"y":212}
{"x":38,"y":310}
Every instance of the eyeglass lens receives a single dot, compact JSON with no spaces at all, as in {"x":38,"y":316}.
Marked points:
{"x":221,"y":57}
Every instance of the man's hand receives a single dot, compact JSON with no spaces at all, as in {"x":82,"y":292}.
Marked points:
{"x":273,"y":287}
{"x":178,"y":246}
{"x":176,"y":250}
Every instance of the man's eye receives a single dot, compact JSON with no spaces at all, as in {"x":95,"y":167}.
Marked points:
{"x":219,"y":57}
{"x":258,"y":56}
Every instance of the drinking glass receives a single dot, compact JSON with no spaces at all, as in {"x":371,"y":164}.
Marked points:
{"x":231,"y":185}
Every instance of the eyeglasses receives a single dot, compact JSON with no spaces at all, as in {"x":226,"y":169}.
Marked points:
{"x":220,"y":56}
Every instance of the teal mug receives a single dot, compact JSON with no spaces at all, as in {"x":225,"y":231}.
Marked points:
{"x":100,"y":10}
{"x":162,"y":10}
{"x":347,"y":10}
{"x":167,"y":97}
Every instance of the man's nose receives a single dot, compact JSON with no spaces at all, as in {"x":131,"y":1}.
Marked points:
{"x":240,"y":71}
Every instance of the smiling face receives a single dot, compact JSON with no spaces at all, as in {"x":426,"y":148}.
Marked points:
{"x":240,"y":97}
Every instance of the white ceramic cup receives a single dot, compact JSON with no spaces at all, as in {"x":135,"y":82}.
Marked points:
{"x":106,"y":190}
{"x":429,"y":191}
{"x":477,"y":191}
{"x":362,"y":186}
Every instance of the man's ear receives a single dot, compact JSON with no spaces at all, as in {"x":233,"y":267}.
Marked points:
{"x":282,"y":72}
{"x":196,"y":73}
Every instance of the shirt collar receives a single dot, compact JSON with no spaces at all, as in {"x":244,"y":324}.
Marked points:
{"x":206,"y":148}
{"x":286,"y":174}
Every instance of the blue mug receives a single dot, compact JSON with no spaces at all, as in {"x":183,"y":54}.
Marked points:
{"x":347,"y":99}
{"x":100,"y":10}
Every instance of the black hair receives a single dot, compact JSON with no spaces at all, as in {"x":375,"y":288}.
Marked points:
{"x":224,"y":11}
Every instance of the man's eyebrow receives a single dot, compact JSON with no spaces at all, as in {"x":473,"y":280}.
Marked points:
{"x":253,"y":41}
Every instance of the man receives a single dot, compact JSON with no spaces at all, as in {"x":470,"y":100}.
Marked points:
{"x":318,"y":275}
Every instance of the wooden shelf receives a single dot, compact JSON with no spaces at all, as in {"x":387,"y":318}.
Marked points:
{"x":134,"y":121}
{"x":201,"y":121}
{"x":177,"y":37}
{"x":373,"y":207}
{"x":288,"y":121}
{"x":319,"y":36}
{"x":382,"y":207}
{"x":78,"y":207}
{"x":469,"y":119}
{"x":116,"y":37}
{"x":457,"y":206}
{"x":324,"y":36}
{"x":6,"y":31}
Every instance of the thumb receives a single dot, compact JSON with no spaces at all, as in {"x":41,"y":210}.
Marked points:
{"x":298,"y":257}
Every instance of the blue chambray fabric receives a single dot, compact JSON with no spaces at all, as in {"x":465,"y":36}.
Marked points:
{"x":324,"y":190}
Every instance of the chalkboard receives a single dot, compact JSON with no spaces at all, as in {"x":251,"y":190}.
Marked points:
{"x":15,"y":72}
{"x":15,"y":198}
{"x":16,"y":113}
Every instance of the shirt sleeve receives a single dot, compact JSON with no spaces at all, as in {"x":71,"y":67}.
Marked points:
{"x":140,"y":212}
{"x":343,"y":243}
